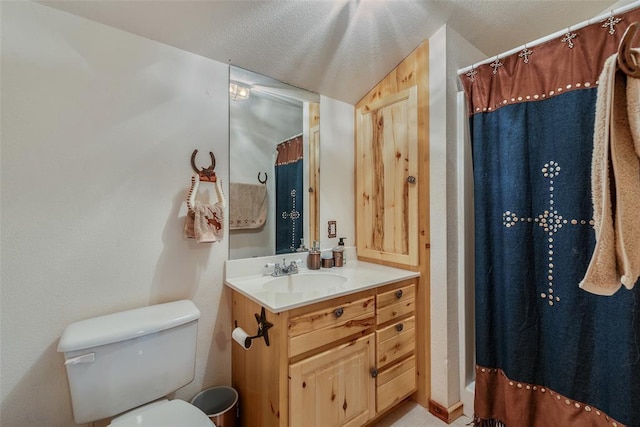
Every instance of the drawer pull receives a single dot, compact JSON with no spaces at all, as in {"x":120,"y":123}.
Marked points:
{"x":338,"y":312}
{"x":374,"y":372}
{"x":399,"y":294}
{"x":399,"y":327}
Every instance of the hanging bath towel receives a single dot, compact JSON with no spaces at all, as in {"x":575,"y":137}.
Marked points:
{"x":615,"y":183}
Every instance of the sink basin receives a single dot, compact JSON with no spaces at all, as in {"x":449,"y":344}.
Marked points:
{"x":304,"y":282}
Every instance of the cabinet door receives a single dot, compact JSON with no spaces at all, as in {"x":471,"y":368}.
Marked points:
{"x":334,"y":388}
{"x":387,"y":178}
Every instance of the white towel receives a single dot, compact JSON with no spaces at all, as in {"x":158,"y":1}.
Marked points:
{"x":615,"y":181}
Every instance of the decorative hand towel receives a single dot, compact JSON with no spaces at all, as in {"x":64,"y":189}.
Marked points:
{"x":208,"y":221}
{"x":204,"y":222}
{"x":248,"y":207}
{"x":615,"y":183}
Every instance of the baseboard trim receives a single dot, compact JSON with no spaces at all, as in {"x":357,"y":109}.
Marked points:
{"x":448,"y":415}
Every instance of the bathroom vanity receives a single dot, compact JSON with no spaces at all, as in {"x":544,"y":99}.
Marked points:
{"x":341,"y":349}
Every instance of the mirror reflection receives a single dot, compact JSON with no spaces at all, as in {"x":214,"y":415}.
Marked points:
{"x":274,"y":143}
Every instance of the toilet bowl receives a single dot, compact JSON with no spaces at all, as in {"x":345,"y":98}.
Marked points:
{"x":164,"y":413}
{"x":123,"y":365}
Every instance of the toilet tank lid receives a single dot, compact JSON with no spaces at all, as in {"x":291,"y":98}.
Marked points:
{"x":125,"y":325}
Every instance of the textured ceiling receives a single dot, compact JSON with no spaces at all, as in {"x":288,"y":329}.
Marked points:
{"x":338,"y":48}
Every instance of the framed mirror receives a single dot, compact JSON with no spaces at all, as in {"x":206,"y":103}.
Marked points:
{"x":274,"y":147}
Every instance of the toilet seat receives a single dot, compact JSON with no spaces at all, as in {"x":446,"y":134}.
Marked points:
{"x":164,"y":413}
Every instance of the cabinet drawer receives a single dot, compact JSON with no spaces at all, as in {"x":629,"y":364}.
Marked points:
{"x":395,"y":383}
{"x":317,"y":328}
{"x":395,"y":303}
{"x":395,"y":341}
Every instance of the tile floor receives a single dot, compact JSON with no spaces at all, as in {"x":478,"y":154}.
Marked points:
{"x":410,"y":414}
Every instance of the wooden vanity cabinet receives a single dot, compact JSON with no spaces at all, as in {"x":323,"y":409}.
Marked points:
{"x":340,"y":362}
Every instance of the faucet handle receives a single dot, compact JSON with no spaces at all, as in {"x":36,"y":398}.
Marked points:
{"x":276,"y":268}
{"x":293,"y":265}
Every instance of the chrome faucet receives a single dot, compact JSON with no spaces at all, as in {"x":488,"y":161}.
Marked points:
{"x":285,"y":269}
{"x":292,"y":268}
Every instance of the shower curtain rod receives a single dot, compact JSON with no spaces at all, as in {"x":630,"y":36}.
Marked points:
{"x":541,"y":40}
{"x":294,"y":136}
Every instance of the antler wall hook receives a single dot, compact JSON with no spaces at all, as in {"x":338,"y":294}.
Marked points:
{"x":205,"y":173}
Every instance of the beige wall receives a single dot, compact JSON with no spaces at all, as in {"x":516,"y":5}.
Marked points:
{"x":97,"y":129}
{"x":449,"y":51}
{"x":98,"y":126}
{"x":336,"y":171}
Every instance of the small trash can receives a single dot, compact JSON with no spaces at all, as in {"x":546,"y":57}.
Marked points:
{"x":220,"y":404}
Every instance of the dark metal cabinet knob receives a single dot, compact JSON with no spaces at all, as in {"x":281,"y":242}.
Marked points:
{"x":338,"y":312}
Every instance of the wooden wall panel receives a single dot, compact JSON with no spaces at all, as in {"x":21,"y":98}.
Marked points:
{"x":314,"y":173}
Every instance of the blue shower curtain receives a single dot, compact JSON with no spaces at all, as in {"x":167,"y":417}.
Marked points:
{"x":547,"y":352}
{"x":289,"y":196}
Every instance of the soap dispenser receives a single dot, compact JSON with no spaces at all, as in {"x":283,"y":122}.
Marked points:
{"x":339,"y":256}
{"x":313,"y":259}
{"x":341,"y":243}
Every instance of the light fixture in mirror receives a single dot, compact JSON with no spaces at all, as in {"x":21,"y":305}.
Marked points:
{"x":274,"y":146}
{"x":238,"y":92}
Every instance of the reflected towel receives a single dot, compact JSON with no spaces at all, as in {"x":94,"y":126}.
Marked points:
{"x":615,"y":182}
{"x":247,"y":206}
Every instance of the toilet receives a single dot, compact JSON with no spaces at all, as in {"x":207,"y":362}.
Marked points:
{"x":124,"y":364}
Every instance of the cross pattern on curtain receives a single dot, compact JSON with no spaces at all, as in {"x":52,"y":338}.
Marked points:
{"x":551,"y":221}
{"x":293,"y":215}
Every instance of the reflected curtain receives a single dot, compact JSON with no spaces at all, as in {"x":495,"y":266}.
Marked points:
{"x":289,"y":196}
{"x":548,"y":353}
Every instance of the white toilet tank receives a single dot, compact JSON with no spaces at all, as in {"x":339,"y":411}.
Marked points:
{"x":123,"y":360}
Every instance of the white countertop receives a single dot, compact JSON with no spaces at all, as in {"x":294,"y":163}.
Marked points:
{"x":356,"y":276}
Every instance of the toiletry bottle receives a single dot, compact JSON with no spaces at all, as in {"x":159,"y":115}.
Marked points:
{"x":327,"y":259}
{"x":338,"y":255}
{"x":313,"y":258}
{"x":344,"y":253}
